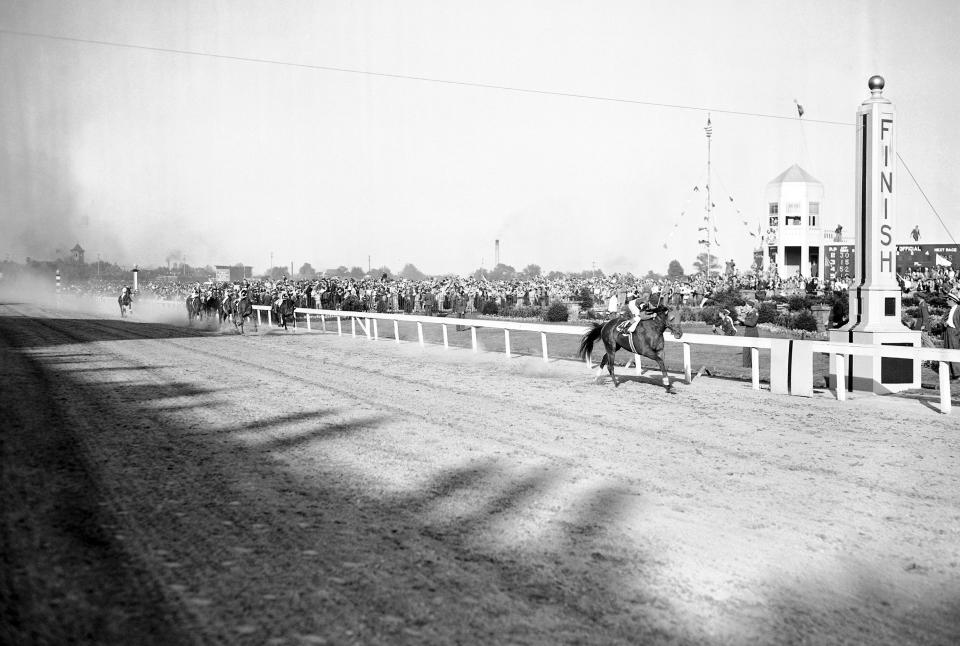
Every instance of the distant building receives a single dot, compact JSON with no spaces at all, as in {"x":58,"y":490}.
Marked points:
{"x":77,"y":252}
{"x":233,"y":273}
{"x":797,"y":239}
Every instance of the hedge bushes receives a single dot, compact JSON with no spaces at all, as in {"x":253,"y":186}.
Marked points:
{"x":351,"y":304}
{"x":520,"y":311}
{"x":586,"y":299}
{"x":767,"y":313}
{"x":801,"y":321}
{"x":557,"y":312}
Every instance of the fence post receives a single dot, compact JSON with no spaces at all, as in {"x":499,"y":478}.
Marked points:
{"x":506,"y":341}
{"x":258,"y":318}
{"x":445,"y":345}
{"x":353,"y":326}
{"x":755,"y":367}
{"x":780,"y":366}
{"x":543,"y":344}
{"x":801,"y":369}
{"x":473,"y":337}
{"x":376,"y":331}
{"x":687,"y":373}
{"x":945,"y":402}
{"x":308,"y":321}
{"x":420,"y":333}
{"x":840,"y":367}
{"x":396,"y":330}
{"x":339,"y":326}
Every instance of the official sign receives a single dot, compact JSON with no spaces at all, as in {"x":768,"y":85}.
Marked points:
{"x":912,"y":257}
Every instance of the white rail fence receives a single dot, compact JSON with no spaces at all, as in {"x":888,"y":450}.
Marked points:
{"x":791,"y":361}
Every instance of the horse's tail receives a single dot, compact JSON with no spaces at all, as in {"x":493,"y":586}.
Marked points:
{"x":588,"y":339}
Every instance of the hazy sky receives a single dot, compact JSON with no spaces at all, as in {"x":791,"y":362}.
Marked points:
{"x":141,"y":154}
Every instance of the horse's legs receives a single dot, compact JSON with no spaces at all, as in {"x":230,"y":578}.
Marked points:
{"x":603,"y":361}
{"x":610,"y":356}
{"x":666,"y":378}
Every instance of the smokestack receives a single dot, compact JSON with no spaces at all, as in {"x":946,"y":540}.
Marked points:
{"x":496,"y":252}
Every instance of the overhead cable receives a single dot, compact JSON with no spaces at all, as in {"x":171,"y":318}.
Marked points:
{"x":409,"y":77}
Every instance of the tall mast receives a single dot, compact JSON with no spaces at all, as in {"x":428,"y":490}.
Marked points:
{"x":709,"y":131}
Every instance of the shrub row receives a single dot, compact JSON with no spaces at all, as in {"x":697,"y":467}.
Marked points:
{"x":555,"y":312}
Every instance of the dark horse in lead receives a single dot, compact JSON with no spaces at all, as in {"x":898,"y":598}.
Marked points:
{"x":646,"y":340}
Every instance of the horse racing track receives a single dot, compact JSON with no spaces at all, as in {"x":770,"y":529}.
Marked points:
{"x":165,"y":484}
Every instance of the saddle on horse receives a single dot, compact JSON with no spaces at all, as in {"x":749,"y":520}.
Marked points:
{"x":627,"y":321}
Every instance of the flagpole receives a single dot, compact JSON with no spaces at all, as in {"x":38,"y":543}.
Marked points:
{"x":709,"y":131}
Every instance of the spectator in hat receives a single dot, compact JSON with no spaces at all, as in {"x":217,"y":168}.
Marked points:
{"x":951,"y":332}
{"x":724,"y":324}
{"x":750,"y":318}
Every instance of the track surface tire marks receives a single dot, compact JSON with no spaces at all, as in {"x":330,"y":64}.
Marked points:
{"x":278,"y":488}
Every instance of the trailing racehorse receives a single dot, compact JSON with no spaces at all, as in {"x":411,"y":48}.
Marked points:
{"x":226,"y":306}
{"x":283,"y":309}
{"x":646,"y":340}
{"x":193,"y":308}
{"x":242,"y":309}
{"x":211,"y":306}
{"x":126,"y":302}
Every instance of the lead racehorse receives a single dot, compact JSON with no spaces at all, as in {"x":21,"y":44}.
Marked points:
{"x":646,"y":340}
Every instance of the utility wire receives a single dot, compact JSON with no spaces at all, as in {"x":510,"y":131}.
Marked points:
{"x":407,"y":77}
{"x":930,"y":204}
{"x":487,"y":86}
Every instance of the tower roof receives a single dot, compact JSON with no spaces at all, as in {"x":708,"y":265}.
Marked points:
{"x":77,"y":247}
{"x":795,"y":174}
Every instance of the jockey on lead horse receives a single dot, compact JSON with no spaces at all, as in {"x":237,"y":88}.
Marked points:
{"x":641,"y":308}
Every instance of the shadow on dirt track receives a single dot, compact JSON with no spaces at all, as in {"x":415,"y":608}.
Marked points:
{"x":36,"y":331}
{"x":161,"y":531}
{"x":157,"y":532}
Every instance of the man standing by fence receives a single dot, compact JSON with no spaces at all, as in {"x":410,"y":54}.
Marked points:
{"x":751,"y":317}
{"x":951,"y":331}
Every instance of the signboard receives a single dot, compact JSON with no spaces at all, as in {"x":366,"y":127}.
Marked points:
{"x":926,"y":256}
{"x":839,"y":262}
{"x":233,"y":273}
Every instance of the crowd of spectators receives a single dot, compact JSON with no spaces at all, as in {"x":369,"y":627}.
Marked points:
{"x":442,"y":293}
{"x":437,"y":294}
{"x":930,"y":280}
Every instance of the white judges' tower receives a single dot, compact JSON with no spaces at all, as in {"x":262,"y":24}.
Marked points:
{"x":875,"y":296}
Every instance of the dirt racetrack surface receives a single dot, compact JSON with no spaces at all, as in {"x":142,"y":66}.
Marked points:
{"x":171,"y":485}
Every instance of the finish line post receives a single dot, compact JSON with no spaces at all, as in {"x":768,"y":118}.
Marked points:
{"x":874,"y":317}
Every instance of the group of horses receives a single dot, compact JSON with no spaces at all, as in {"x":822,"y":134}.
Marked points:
{"x":227,"y":305}
{"x":646,"y":340}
